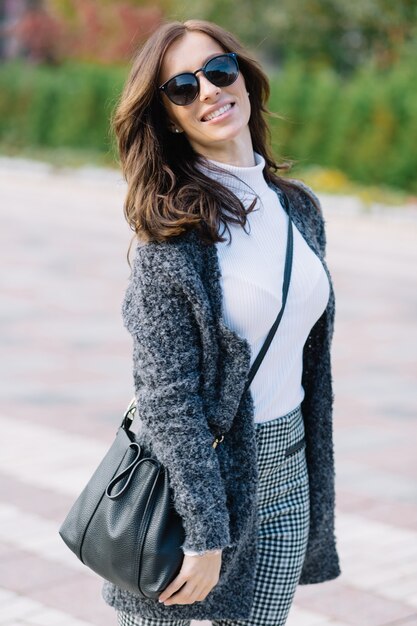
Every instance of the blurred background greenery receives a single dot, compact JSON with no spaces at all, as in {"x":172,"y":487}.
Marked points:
{"x":343,"y":78}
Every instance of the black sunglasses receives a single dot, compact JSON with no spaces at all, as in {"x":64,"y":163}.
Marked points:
{"x":221,"y":70}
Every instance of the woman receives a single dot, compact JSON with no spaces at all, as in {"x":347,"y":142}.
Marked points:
{"x":258,"y":509}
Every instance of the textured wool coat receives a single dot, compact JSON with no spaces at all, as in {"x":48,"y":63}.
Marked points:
{"x":189,"y":372}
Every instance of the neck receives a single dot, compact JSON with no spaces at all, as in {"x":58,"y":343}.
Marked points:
{"x":237,"y":151}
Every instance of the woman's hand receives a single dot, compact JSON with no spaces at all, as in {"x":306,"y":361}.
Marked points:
{"x":197,"y":577}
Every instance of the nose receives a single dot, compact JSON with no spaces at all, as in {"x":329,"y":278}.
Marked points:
{"x":207,"y":89}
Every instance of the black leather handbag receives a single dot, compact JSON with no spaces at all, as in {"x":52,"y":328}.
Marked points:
{"x":124,"y":526}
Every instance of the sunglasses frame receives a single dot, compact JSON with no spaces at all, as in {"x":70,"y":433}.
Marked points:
{"x":201,"y":69}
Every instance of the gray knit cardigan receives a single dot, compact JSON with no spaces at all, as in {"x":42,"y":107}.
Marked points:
{"x":189,"y":372}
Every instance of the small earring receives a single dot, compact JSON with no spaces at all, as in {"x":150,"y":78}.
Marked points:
{"x":248,"y":93}
{"x":177,"y":130}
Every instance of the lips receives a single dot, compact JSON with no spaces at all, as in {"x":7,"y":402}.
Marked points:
{"x":217,"y":112}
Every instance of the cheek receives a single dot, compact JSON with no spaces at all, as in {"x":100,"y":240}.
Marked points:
{"x":188,"y":119}
{"x":248,"y":108}
{"x":241,"y":92}
{"x":241,"y":86}
{"x":245,"y":103}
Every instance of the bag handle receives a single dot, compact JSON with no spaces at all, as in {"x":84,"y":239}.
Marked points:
{"x":130,"y":411}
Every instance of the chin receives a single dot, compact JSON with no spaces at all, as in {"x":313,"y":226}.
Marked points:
{"x":228,"y":133}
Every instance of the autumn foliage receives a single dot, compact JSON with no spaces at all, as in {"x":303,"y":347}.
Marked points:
{"x":84,"y":30}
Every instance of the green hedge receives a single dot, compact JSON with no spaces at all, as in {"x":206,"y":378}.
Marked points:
{"x":67,"y":105}
{"x":365,"y":126}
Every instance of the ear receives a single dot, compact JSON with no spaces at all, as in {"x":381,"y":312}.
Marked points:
{"x":173,"y":128}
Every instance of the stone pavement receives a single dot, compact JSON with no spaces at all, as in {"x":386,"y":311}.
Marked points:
{"x":66,"y":378}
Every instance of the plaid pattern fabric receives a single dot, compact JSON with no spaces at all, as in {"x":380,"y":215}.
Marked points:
{"x":284,"y":516}
{"x":128,"y":619}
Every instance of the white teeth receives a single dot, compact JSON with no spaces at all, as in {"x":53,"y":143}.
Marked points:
{"x":217,"y":113}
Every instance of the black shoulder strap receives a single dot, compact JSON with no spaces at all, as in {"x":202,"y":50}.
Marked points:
{"x":286,"y":282}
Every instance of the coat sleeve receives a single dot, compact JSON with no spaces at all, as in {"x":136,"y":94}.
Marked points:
{"x":167,"y":377}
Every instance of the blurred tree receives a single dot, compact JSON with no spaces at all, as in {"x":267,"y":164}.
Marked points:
{"x":39,"y":34}
{"x":103,"y":30}
{"x":27,"y":30}
{"x":333,"y":33}
{"x":50,"y":31}
{"x":320,"y":32}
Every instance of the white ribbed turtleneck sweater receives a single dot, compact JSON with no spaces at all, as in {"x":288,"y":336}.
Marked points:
{"x":252,"y":269}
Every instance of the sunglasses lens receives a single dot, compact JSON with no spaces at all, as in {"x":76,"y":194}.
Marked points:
{"x":222,"y":71}
{"x":182,"y":89}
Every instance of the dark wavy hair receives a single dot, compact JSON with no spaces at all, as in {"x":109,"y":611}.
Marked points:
{"x":167,"y":194}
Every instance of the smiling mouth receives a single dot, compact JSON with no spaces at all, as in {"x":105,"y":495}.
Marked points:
{"x":220,"y":114}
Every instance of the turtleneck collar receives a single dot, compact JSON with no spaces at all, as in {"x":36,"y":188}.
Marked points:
{"x":252,"y":176}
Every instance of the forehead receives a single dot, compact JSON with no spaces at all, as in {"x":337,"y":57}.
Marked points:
{"x":188,"y":53}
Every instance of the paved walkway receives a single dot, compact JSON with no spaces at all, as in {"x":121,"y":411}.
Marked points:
{"x":66,"y":378}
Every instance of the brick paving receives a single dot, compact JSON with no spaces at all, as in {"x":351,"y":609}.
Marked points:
{"x":66,"y":378}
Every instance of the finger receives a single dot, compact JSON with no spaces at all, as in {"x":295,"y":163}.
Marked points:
{"x":205,"y":591}
{"x":201,"y":597}
{"x":173,"y":587}
{"x":187,"y":595}
{"x":203,"y":594}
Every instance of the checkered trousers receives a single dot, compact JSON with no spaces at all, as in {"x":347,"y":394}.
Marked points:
{"x":283,"y":508}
